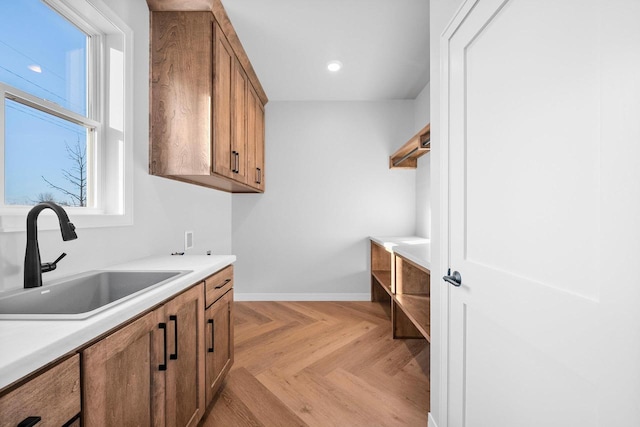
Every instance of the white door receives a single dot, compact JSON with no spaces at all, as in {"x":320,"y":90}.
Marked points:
{"x":541,"y":121}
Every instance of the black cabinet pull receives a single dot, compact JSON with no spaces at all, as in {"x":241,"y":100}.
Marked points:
{"x":163,"y":366}
{"x":236,"y":162}
{"x":30,"y":421}
{"x":174,"y":318}
{"x":225,"y":282}
{"x":259,"y":176}
{"x":210,"y":321}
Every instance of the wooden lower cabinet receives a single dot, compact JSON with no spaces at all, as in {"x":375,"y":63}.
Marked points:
{"x":184,"y":389}
{"x":121,"y":383}
{"x":219,"y":355}
{"x":150,"y":372}
{"x":52,"y":396}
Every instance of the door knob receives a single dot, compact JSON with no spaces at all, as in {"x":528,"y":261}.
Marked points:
{"x":454,"y":279}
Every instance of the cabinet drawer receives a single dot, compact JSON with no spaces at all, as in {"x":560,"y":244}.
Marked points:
{"x":217,"y":285}
{"x":53,"y":395}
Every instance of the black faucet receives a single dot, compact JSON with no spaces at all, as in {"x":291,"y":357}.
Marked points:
{"x":32,"y":268}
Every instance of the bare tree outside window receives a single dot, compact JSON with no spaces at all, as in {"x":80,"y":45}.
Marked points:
{"x":76,"y":177}
{"x":45,"y":197}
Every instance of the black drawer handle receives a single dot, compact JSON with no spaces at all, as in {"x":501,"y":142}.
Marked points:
{"x":236,"y":162}
{"x":30,"y":421}
{"x":174,"y":318}
{"x":210,"y":321}
{"x":224,"y":283}
{"x":163,"y":366}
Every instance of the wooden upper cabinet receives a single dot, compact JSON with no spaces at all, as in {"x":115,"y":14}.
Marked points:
{"x":255,"y":141}
{"x":181,"y":86}
{"x":200,"y":86}
{"x":223,"y":158}
{"x":239,"y":121}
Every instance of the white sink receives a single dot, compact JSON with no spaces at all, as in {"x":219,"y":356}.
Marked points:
{"x":81,"y":296}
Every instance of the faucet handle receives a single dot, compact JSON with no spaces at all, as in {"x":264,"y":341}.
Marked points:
{"x":50,"y":266}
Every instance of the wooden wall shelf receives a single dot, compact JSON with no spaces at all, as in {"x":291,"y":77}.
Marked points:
{"x":406,"y":157}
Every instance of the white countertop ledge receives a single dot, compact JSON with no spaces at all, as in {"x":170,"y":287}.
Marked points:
{"x":28,"y":345}
{"x":415,"y":249}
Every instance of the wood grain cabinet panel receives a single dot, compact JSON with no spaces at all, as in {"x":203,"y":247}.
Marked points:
{"x":219,"y":356}
{"x":151,"y":371}
{"x":53,"y":395}
{"x":200,"y":101}
{"x":240,"y":89}
{"x":255,"y":141}
{"x":184,"y":390}
{"x":180,"y":94}
{"x":122,"y":383}
{"x":223,"y":157}
{"x":218,"y":284}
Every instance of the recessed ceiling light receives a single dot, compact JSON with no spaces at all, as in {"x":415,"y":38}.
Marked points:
{"x":334,"y":66}
{"x":35,"y":68}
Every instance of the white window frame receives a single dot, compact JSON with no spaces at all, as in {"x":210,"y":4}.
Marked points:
{"x":110,"y":77}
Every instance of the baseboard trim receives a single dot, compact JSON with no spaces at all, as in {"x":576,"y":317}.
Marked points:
{"x":301,"y":297}
{"x":431,"y":422}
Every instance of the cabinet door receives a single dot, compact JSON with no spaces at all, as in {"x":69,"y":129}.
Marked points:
{"x":239,"y":89}
{"x":119,"y":373}
{"x":219,"y":353}
{"x":53,"y":395}
{"x":255,"y":141}
{"x":180,"y":116}
{"x":223,"y":58}
{"x":259,"y":143}
{"x":184,"y":391}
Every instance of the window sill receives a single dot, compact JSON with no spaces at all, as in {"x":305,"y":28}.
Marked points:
{"x":16,"y":221}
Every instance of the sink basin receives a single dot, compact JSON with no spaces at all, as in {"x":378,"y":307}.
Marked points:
{"x":81,"y":296}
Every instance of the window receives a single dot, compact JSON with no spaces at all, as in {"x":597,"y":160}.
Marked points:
{"x":63,"y":76}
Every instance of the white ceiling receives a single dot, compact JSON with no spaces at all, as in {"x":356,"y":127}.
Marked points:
{"x":383,"y":44}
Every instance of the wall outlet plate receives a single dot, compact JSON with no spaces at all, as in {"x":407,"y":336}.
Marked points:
{"x":188,"y":240}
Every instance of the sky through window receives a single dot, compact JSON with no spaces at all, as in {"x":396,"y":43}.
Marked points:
{"x":43,"y":54}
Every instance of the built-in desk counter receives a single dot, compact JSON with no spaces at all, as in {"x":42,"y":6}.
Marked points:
{"x":400,"y":274}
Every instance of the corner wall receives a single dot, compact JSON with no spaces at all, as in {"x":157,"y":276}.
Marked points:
{"x":163,"y":209}
{"x":422,"y":111}
{"x":329,"y":187}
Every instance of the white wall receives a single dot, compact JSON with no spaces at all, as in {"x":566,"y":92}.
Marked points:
{"x":163,"y":209}
{"x":422,"y":114}
{"x":441,"y":12}
{"x":329,"y":187}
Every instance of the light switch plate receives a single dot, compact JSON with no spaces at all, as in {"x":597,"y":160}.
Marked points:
{"x":188,"y":240}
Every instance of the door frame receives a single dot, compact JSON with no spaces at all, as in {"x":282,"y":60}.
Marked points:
{"x":443,"y":155}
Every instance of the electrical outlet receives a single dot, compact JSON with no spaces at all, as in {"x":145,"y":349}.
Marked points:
{"x":188,"y":240}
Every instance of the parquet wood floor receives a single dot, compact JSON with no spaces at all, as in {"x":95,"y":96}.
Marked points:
{"x":321,"y":364}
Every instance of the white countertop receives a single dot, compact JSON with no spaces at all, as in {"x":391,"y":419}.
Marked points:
{"x":415,"y":249}
{"x":419,"y":253}
{"x":27,"y":345}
